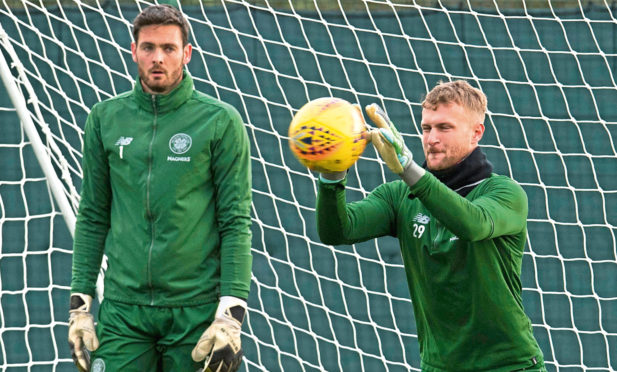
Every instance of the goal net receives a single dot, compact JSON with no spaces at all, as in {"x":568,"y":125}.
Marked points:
{"x":547,"y":68}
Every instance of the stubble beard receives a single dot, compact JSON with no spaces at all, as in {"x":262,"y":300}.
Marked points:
{"x":450,"y":158}
{"x":159,"y":86}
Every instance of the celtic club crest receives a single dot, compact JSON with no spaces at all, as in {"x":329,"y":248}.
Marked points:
{"x":98,"y":365}
{"x":180,"y":143}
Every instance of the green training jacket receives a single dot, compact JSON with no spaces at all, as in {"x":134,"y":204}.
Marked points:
{"x":462,"y":259}
{"x":166,"y":194}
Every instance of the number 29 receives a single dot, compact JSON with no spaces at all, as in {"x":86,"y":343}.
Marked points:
{"x":418,"y":230}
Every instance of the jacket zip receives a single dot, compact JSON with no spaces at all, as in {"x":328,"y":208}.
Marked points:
{"x":148,"y":210}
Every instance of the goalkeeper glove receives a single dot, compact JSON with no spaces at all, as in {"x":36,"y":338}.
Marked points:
{"x":82,"y":337}
{"x":336,"y":177}
{"x":391,"y":147}
{"x":220,"y":344}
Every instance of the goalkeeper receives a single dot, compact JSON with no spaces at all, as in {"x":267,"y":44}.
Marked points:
{"x":461,"y":229}
{"x":166,"y":195}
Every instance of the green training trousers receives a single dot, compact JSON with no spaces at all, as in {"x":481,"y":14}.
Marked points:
{"x":136,"y":338}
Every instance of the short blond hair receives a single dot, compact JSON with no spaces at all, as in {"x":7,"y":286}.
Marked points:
{"x":460,"y":92}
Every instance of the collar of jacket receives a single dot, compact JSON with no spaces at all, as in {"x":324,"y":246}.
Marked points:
{"x":164,"y":102}
{"x":467,"y":174}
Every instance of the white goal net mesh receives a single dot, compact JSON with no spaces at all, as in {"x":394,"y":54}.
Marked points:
{"x":546,"y":66}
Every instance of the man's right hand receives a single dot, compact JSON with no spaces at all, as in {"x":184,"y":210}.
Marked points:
{"x":82,"y":336}
{"x":336,"y":177}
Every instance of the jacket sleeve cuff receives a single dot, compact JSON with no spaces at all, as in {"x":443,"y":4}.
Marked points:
{"x":334,"y":177}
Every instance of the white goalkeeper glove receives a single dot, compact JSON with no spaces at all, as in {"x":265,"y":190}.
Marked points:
{"x":391,"y":147}
{"x":220,"y":344}
{"x":82,"y":336}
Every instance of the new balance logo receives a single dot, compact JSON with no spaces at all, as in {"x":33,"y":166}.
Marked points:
{"x":422,"y":218}
{"x":124,"y":141}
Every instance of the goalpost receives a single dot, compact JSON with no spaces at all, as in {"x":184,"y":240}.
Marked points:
{"x":547,"y":68}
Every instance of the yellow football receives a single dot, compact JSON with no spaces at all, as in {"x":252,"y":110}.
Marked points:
{"x":327,"y":134}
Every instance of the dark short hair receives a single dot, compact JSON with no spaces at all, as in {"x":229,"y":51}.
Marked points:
{"x":163,"y":14}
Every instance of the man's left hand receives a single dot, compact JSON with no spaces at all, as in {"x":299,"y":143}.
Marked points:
{"x":388,"y":141}
{"x":220,"y":345}
{"x":391,"y":147}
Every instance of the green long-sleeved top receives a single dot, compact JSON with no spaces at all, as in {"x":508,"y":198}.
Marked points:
{"x":166,"y":195}
{"x":462,"y":259}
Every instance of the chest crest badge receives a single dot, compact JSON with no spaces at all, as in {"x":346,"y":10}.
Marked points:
{"x":180,"y":143}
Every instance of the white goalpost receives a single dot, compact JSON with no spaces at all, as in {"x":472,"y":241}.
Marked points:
{"x":40,"y":150}
{"x":547,"y":68}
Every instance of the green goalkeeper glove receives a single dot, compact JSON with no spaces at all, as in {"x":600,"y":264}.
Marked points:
{"x":220,"y":344}
{"x":336,"y":177}
{"x":388,"y":141}
{"x":82,"y":336}
{"x":391,"y":147}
